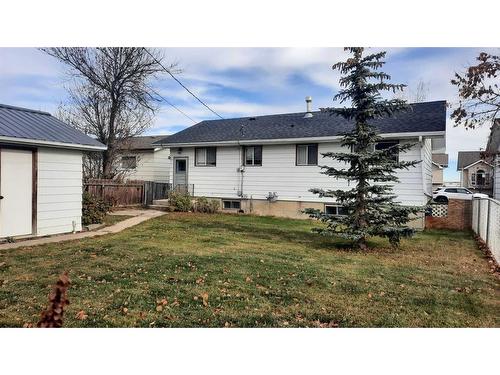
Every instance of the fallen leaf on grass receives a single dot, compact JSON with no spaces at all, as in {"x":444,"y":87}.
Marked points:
{"x":330,"y":324}
{"x":80,"y":315}
{"x":28,"y":325}
{"x":205,"y":299}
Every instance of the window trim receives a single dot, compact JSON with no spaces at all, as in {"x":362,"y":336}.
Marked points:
{"x":245,"y":156}
{"x":231,"y":203}
{"x":206,"y":157}
{"x":128,"y":157}
{"x":307,"y":154}
{"x":337,"y":206}
{"x":394,"y":141}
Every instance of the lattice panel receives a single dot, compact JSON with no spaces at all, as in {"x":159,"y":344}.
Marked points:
{"x":439,"y":210}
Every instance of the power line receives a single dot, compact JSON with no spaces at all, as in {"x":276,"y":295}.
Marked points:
{"x":180,"y":83}
{"x":174,"y":106}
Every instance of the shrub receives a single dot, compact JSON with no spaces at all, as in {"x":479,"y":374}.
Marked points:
{"x":180,"y":201}
{"x":93,"y":209}
{"x":208,"y":206}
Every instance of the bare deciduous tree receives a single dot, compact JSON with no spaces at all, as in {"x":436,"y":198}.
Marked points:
{"x":414,"y":95}
{"x":110,"y":95}
{"x":479,"y":92}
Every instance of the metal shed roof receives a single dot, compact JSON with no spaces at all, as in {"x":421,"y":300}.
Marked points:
{"x":27,"y":126}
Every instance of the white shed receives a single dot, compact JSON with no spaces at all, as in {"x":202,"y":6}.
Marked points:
{"x":40,"y":173}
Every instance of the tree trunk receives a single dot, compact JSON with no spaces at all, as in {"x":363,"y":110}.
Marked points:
{"x":107,"y":163}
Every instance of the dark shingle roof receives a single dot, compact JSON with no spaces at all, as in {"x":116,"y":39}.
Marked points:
{"x":422,"y":117}
{"x":441,"y":159}
{"x":22,"y":123}
{"x":143,"y":142}
{"x":466,"y":158}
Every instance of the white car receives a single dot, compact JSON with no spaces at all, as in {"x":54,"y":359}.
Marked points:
{"x":442,"y":194}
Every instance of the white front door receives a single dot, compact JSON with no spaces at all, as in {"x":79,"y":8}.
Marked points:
{"x":16,"y":184}
{"x":180,"y":171}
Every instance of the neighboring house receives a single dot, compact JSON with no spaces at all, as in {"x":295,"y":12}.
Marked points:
{"x":493,"y":150}
{"x":140,"y":159}
{"x":476,"y":171}
{"x":267,"y":164}
{"x":40,"y":173}
{"x":439,"y":162}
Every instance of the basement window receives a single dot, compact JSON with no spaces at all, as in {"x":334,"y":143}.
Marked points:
{"x":335,"y":210}
{"x":205,"y":157}
{"x":128,"y":162}
{"x":231,"y":205}
{"x":307,"y":154}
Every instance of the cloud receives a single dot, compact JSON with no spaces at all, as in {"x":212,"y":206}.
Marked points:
{"x":249,"y":81}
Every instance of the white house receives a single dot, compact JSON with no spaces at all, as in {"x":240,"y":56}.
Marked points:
{"x":266,"y":165}
{"x":439,"y":163}
{"x":40,"y":173}
{"x":493,"y":150}
{"x":476,"y":171}
{"x":141,"y":159}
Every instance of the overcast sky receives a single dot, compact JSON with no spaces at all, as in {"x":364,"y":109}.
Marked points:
{"x":250,"y":81}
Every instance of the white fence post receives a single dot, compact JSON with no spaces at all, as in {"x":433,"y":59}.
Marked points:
{"x":489,"y":229}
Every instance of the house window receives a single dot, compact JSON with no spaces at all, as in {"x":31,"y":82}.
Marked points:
{"x":231,"y":205}
{"x":129,"y":162}
{"x":253,"y":155}
{"x":335,"y":210}
{"x":384,"y":145}
{"x":205,"y":157}
{"x":307,"y":154}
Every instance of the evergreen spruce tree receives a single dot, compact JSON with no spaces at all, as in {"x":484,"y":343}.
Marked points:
{"x":370,"y":204}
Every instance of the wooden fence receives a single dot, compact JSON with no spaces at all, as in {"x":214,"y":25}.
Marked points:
{"x":130,"y":193}
{"x":119,"y":194}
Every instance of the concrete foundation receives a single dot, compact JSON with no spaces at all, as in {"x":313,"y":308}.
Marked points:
{"x":293,"y":210}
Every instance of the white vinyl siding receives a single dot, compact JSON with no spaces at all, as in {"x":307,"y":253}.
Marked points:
{"x":427,"y":166}
{"x":151,"y":166}
{"x":279,"y":173}
{"x":496,"y":178}
{"x":59,"y":200}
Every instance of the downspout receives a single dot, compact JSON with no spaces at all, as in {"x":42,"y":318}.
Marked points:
{"x":241,"y":168}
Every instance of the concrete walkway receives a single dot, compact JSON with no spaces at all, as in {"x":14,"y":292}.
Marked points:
{"x":139,"y":216}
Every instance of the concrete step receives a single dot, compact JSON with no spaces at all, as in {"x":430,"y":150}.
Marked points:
{"x":160,"y":207}
{"x":161,"y":202}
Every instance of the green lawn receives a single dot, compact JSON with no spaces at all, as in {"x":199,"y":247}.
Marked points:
{"x":194,"y":270}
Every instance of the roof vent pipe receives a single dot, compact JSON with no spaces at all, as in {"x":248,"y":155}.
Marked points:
{"x":308,"y":106}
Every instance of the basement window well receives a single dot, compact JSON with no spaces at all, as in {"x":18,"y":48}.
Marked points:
{"x":231,"y":205}
{"x":335,"y":210}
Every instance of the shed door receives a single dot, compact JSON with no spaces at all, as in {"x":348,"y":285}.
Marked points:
{"x":16,"y":183}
